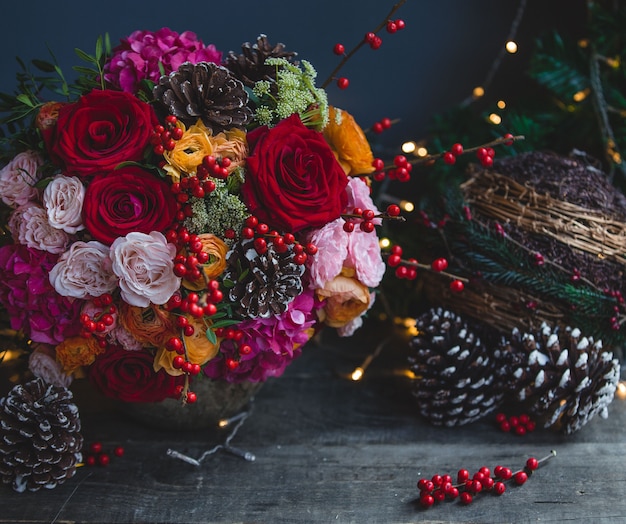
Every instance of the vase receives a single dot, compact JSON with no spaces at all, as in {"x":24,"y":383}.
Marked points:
{"x":217,"y":400}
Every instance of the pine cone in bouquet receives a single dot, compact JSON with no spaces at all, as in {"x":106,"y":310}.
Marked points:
{"x":249,"y":66}
{"x":263,"y":283}
{"x":204,"y":91}
{"x":40,"y":440}
{"x":459,"y":375}
{"x":564,"y":378}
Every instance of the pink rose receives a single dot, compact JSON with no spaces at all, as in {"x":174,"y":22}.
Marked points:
{"x":18,"y":179}
{"x":145,"y":266}
{"x":43,"y":364}
{"x":63,"y":200}
{"x":83,"y":271}
{"x":29,"y":226}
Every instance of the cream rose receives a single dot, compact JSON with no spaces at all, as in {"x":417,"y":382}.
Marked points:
{"x":145,"y":266}
{"x":43,"y":364}
{"x":84,"y":270}
{"x":18,"y":178}
{"x":63,"y":199}
{"x":29,"y":226}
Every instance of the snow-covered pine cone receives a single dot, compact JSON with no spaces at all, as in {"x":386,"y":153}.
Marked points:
{"x":458,"y":377}
{"x":204,"y":91}
{"x":564,"y":378}
{"x":40,"y":440}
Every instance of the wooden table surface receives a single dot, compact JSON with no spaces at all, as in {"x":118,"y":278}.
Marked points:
{"x":334,"y":451}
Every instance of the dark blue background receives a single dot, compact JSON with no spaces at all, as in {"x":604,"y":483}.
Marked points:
{"x":446,"y":49}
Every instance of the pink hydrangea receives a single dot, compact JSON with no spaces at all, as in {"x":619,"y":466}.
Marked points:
{"x":142,"y":54}
{"x":29,"y":298}
{"x":275,"y":342}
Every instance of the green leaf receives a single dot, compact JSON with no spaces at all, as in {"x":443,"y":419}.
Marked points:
{"x":99,"y":48}
{"x":210,"y":334}
{"x":224,"y":323}
{"x":84,"y":56}
{"x":42,"y":65}
{"x":25,"y":99}
{"x":107,"y":44}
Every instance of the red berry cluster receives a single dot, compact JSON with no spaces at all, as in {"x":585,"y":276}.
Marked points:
{"x":392,"y":26}
{"x":520,"y":425}
{"x":187,"y":265}
{"x":101,"y":320}
{"x":617,"y":295}
{"x":449,"y":157}
{"x":98,"y":457}
{"x":401,"y":170}
{"x":164,"y":137}
{"x":380,"y":126}
{"x":467,"y":486}
{"x":262,"y":235}
{"x":405,"y":269}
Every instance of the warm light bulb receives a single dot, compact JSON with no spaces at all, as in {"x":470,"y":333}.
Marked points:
{"x":357,"y":374}
{"x":409,"y":147}
{"x":407,"y":206}
{"x":421,"y":151}
{"x":384,"y":243}
{"x":621,"y":390}
{"x":581,"y":95}
{"x":501,"y":104}
{"x":511,"y":47}
{"x":495,"y":119}
{"x":478,"y":92}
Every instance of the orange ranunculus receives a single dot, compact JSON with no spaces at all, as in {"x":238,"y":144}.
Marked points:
{"x":189,"y":151}
{"x":348,"y":142}
{"x":199,"y":349}
{"x":76,"y":352}
{"x":150,"y":326}
{"x":216,"y":249}
{"x":231,"y":144}
{"x":346,"y":299}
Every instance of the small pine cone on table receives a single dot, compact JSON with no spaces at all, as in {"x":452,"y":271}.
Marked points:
{"x":40,"y":440}
{"x":458,"y":378}
{"x":564,"y":378}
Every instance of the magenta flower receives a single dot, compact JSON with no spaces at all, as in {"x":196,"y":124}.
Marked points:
{"x":29,"y":298}
{"x":274,"y":343}
{"x":138,"y":56}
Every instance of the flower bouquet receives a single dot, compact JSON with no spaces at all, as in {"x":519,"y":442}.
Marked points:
{"x":183,"y":215}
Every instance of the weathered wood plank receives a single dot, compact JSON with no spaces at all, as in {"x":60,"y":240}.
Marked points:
{"x":330,"y":450}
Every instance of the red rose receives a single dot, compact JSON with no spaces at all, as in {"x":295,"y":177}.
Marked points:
{"x":130,"y":377}
{"x":101,"y":130}
{"x":130,"y":199}
{"x":293,"y":180}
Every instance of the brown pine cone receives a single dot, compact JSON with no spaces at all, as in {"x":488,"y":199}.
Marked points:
{"x":263,"y":284}
{"x":249,"y":66}
{"x":204,"y":91}
{"x":40,"y":440}
{"x":564,"y":377}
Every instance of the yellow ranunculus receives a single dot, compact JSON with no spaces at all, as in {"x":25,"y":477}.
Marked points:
{"x":349,"y":143}
{"x":189,"y":151}
{"x":346,"y":299}
{"x":76,"y":352}
{"x":199,"y":349}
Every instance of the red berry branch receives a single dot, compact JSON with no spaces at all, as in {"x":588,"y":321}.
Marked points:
{"x":401,"y":167}
{"x":407,"y":268}
{"x":371,"y":38}
{"x":441,"y":487}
